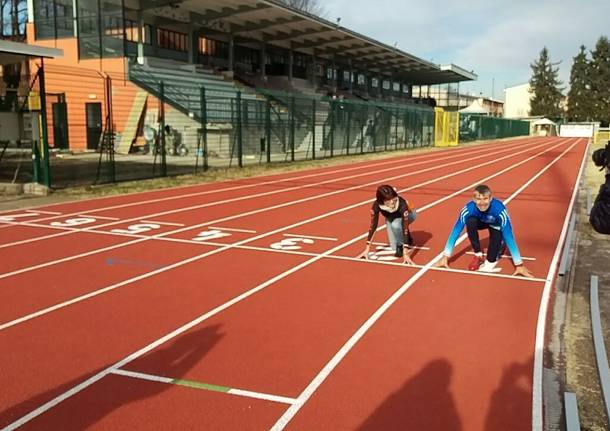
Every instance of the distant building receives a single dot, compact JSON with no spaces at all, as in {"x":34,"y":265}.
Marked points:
{"x":449,"y":98}
{"x":517,"y":101}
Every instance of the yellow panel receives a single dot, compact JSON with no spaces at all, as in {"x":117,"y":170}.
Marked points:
{"x":439,"y":127}
{"x":452,"y":131}
{"x":34,"y":101}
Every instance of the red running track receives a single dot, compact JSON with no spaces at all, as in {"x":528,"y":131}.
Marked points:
{"x":102,"y":329}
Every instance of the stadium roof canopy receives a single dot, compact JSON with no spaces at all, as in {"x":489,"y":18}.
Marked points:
{"x":16,"y":52}
{"x":276,"y":24}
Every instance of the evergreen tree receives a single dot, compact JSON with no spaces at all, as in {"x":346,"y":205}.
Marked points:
{"x":545,"y":87}
{"x":579,"y":97}
{"x":600,"y":80}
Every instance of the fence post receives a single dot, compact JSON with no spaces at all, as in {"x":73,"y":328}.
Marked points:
{"x":362,"y":134}
{"x":332,"y":128}
{"x":162,"y":122}
{"x":386,"y":136}
{"x":375,"y":128}
{"x":396,"y":131}
{"x":44,"y":139}
{"x":349,"y":121}
{"x":292,"y":125}
{"x":204,"y":127}
{"x":240,"y":162}
{"x":110,"y":127}
{"x":268,"y":130}
{"x":36,"y":159}
{"x":313,"y":129}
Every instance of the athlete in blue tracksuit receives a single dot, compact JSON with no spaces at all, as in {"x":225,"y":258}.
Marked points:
{"x":485,"y":212}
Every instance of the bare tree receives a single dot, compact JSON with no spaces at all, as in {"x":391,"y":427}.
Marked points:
{"x":3,"y":4}
{"x":13,"y":17}
{"x":310,"y":6}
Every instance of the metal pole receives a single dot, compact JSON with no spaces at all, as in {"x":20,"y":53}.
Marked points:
{"x":374,"y":130}
{"x":204,"y":127}
{"x":162,"y":123}
{"x":313,"y":129}
{"x":362,"y":135}
{"x":292,"y":126}
{"x":268,"y":130}
{"x":332,"y":128}
{"x":46,"y":169}
{"x":396,"y":131}
{"x":240,"y":162}
{"x":110,"y":119}
{"x":349,"y":118}
{"x":36,"y":154}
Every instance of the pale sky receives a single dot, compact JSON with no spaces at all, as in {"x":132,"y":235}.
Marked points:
{"x":497,"y":40}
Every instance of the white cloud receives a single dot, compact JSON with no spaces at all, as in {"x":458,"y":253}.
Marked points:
{"x":494,"y":39}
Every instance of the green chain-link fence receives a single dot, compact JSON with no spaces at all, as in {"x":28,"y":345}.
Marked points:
{"x":244,"y":127}
{"x":478,"y":127}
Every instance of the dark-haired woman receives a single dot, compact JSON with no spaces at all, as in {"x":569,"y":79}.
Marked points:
{"x":399,"y":214}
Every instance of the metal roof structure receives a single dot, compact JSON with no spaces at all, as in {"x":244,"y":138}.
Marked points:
{"x":16,"y":52}
{"x":276,"y":24}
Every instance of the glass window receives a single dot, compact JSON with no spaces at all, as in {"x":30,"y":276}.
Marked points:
{"x":173,"y":40}
{"x":53,"y":19}
{"x":112,"y":31}
{"x":132,"y":33}
{"x":89,"y":38}
{"x":44,"y":19}
{"x":64,"y":18}
{"x":100,"y":28}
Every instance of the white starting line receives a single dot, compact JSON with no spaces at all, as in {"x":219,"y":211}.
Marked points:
{"x":506,"y":256}
{"x":322,"y":238}
{"x":43,"y":212}
{"x":205,"y":386}
{"x":163,"y":223}
{"x":98,"y":217}
{"x":231,"y":229}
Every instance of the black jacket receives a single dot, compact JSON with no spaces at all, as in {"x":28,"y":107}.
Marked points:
{"x":600,"y":213}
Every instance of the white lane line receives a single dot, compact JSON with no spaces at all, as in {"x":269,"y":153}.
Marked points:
{"x":262,"y":396}
{"x":43,"y":212}
{"x":394,"y":160}
{"x":345,"y":349}
{"x":90,"y":381}
{"x":282,"y":205}
{"x":422,"y":160}
{"x":537,"y":405}
{"x":92,"y":216}
{"x":232,"y":229}
{"x":229,"y":246}
{"x":322,"y":238}
{"x":206,"y":386}
{"x":163,"y":223}
{"x":485,"y":154}
{"x":336,"y":257}
{"x":506,"y":256}
{"x":143,"y":376}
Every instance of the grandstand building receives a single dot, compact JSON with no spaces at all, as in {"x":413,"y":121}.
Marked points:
{"x":248,"y":70}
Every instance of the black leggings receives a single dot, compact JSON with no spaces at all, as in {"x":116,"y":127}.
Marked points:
{"x":473,"y":226}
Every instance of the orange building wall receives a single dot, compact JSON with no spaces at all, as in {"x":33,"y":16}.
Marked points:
{"x":82,"y":81}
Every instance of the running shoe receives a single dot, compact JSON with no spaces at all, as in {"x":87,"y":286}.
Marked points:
{"x":475,"y":263}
